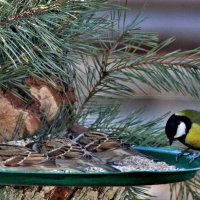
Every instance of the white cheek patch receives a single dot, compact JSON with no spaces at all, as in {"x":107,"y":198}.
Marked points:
{"x":180,"y":130}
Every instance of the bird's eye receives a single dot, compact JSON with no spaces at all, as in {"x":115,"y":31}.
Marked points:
{"x":70,"y":136}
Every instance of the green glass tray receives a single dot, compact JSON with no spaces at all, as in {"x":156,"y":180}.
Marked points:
{"x":131,"y":178}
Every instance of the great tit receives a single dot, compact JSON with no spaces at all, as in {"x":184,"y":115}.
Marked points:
{"x":184,"y":126}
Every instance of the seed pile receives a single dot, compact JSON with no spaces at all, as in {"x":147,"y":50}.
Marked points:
{"x":140,"y":163}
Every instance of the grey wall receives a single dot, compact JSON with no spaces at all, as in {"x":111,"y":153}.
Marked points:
{"x":179,"y":18}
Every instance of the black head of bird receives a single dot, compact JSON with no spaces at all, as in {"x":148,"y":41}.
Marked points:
{"x":177,"y":128}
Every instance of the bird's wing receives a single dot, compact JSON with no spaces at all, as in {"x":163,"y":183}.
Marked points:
{"x":62,"y":148}
{"x":71,"y":156}
{"x":97,"y":141}
{"x":107,"y":148}
{"x":66,"y":151}
{"x":11,"y":155}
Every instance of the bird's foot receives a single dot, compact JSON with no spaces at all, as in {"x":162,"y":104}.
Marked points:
{"x":194,"y":157}
{"x":183,"y":153}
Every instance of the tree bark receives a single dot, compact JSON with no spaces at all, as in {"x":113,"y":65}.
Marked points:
{"x":21,"y":118}
{"x":62,"y":193}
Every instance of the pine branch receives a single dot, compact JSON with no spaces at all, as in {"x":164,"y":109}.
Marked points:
{"x":186,"y":190}
{"x":92,"y":91}
{"x":132,"y":128}
{"x":119,"y":71}
{"x":139,"y":193}
{"x":33,"y":37}
{"x":161,"y":60}
{"x":30,"y":13}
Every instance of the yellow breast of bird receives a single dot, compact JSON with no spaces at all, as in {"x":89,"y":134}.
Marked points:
{"x":193,"y":136}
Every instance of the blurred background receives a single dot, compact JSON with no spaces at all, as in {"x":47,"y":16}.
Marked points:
{"x":170,"y":18}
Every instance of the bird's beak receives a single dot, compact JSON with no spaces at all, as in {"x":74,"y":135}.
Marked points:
{"x":170,"y":142}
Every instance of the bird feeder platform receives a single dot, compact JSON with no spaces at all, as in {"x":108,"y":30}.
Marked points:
{"x":184,"y":172}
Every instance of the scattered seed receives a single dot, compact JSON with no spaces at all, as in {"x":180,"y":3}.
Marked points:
{"x":140,"y":163}
{"x":94,"y":169}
